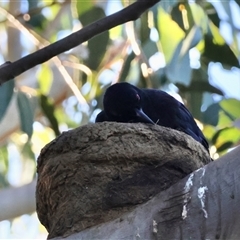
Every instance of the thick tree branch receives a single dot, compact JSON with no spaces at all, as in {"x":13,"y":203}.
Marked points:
{"x":130,"y":13}
{"x":204,"y":205}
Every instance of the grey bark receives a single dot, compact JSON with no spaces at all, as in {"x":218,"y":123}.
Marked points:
{"x":98,"y":172}
{"x":203,"y":205}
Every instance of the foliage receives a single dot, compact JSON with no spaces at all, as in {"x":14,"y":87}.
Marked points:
{"x":173,"y":46}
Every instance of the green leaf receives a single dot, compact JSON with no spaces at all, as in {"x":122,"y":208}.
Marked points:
{"x":27,"y":151}
{"x":199,"y":83}
{"x":179,"y":70}
{"x":232,"y":107}
{"x":93,"y":82}
{"x":83,"y":7}
{"x":211,"y":12}
{"x":144,"y":29}
{"x":225,"y":138}
{"x":199,"y":16}
{"x":210,"y":116}
{"x":222,"y":114}
{"x":225,"y":146}
{"x":224,"y":120}
{"x":4,"y":160}
{"x":116,"y":32}
{"x":126,"y":67}
{"x":214,"y":32}
{"x":238,"y":2}
{"x":189,"y":15}
{"x":62,"y":117}
{"x":37,"y":20}
{"x":97,"y":45}
{"x":194,"y":92}
{"x":48,"y":109}
{"x":6,"y":92}
{"x":166,"y":5}
{"x":209,"y":131}
{"x":192,"y":39}
{"x":170,"y":34}
{"x":26,"y":113}
{"x":149,"y":48}
{"x":182,"y":15}
{"x":199,"y":86}
{"x":215,"y":44}
{"x":45,"y":78}
{"x":194,"y":101}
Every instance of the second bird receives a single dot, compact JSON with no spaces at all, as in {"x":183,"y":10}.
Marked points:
{"x":124,"y":102}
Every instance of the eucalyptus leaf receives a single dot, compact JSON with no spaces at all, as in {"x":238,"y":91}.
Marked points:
{"x":126,"y":67}
{"x":225,"y":138}
{"x":211,"y":12}
{"x":200,"y":87}
{"x":6,"y":93}
{"x":167,"y":5}
{"x":4,"y":164}
{"x":232,"y":107}
{"x":83,"y":7}
{"x":149,"y":48}
{"x":27,"y":151}
{"x":144,"y":29}
{"x":214,"y":45}
{"x":210,"y":116}
{"x":178,"y":70}
{"x":49,"y":109}
{"x":97,"y":45}
{"x":170,"y":35}
{"x":45,"y":78}
{"x":182,"y":15}
{"x":36,"y":20}
{"x":26,"y":113}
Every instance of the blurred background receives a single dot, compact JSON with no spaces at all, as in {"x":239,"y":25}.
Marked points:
{"x":191,"y":49}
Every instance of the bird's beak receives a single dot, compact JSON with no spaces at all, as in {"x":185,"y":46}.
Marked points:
{"x":142,"y":116}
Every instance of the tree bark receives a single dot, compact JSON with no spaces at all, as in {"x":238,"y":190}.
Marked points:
{"x":203,"y":205}
{"x":98,"y":172}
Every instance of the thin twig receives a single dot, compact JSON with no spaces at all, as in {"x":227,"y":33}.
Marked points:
{"x":129,"y":13}
{"x":40,"y":42}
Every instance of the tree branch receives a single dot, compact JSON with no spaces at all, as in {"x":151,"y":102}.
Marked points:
{"x":17,"y":201}
{"x":130,"y":13}
{"x":204,"y":205}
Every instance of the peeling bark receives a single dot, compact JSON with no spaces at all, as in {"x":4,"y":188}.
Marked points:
{"x":98,"y":172}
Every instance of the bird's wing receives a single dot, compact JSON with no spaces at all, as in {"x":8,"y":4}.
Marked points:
{"x":174,"y":114}
{"x":190,"y":126}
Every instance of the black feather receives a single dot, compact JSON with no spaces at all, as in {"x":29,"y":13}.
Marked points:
{"x":124,"y":102}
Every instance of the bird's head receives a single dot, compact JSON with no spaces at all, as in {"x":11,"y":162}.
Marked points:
{"x":122,"y":103}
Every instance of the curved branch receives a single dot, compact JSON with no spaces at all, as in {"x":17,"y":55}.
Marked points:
{"x":130,"y":13}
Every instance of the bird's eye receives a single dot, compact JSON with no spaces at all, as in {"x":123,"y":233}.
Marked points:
{"x":138,"y":97}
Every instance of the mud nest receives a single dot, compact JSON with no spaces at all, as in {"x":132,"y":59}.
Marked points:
{"x":97,"y":172}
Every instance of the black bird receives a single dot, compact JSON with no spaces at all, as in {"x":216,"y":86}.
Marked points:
{"x":124,"y":102}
